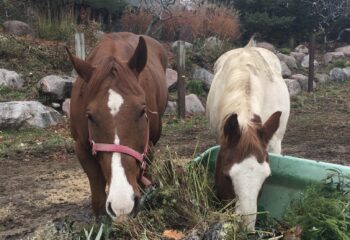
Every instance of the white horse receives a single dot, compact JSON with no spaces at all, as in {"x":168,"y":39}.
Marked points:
{"x":248,"y":109}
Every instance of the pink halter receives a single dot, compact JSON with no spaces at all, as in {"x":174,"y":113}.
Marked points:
{"x":107,"y":147}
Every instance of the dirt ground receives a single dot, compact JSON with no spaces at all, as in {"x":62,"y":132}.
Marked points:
{"x":38,"y":190}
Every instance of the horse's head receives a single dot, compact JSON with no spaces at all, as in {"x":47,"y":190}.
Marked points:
{"x":242,"y":164}
{"x":116,"y":115}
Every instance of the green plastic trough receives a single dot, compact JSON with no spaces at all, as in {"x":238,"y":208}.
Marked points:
{"x":290,"y":177}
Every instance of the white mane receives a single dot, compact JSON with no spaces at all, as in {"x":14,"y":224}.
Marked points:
{"x":241,"y":76}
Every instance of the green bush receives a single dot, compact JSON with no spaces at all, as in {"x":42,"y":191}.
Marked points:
{"x":196,"y":87}
{"x":56,"y":29}
{"x":285,"y":50}
{"x":340,"y":63}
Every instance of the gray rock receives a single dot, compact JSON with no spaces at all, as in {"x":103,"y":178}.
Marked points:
{"x":171,"y":78}
{"x":322,"y":78}
{"x":204,"y":76}
{"x":338,"y":75}
{"x":66,"y":107}
{"x":305,"y":62}
{"x":171,"y":107}
{"x":301,"y":49}
{"x":303,"y":81}
{"x":345,"y":50}
{"x":10,"y":79}
{"x":98,"y":34}
{"x":213,"y":42}
{"x":286,"y":72}
{"x":294,"y":87}
{"x":58,"y":88}
{"x":289,"y":60}
{"x":24,"y":114}
{"x":55,"y":105}
{"x":347,"y":71}
{"x":193,"y":104}
{"x":331,"y":56}
{"x":267,"y":46}
{"x":298,"y":57}
{"x":188,"y":46}
{"x":17,"y":28}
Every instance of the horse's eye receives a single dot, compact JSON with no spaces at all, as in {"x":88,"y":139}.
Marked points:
{"x":143,"y":111}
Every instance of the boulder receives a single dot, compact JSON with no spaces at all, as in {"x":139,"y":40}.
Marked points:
{"x":188,"y":46}
{"x":305,"y":62}
{"x":204,"y":76}
{"x":298,"y":57}
{"x":303,"y":81}
{"x":322,"y":78}
{"x":345,"y":50}
{"x":301,"y":49}
{"x":289,"y":60}
{"x":193,"y":104}
{"x":338,"y":75}
{"x":212,"y":42}
{"x":347,"y":71}
{"x":267,"y":46}
{"x":171,"y":77}
{"x":10,"y":79}
{"x":25,"y":114}
{"x":294,"y":87}
{"x":56,"y":87}
{"x":286,"y":72}
{"x":331,"y":56}
{"x":17,"y":28}
{"x":66,"y":107}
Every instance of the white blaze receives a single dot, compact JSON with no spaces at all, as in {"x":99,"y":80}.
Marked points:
{"x":247,"y":178}
{"x":121,"y":194}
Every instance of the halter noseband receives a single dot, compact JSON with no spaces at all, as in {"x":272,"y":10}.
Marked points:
{"x":118,"y":148}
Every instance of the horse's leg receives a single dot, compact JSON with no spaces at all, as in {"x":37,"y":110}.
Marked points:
{"x":96,"y":179}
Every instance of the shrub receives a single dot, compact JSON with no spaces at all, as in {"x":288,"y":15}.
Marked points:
{"x":135,"y":22}
{"x":196,"y":87}
{"x":285,"y":50}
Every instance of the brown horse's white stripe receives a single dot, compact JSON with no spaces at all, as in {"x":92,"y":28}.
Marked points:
{"x":120,"y":200}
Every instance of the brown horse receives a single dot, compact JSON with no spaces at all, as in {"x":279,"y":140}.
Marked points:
{"x":121,"y":81}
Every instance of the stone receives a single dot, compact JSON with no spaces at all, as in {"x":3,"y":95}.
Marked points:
{"x":347,"y":71}
{"x":213,"y":42}
{"x":301,"y":49}
{"x":322,"y":78}
{"x":66,"y":107}
{"x":267,"y":46}
{"x":10,"y":79}
{"x":294,"y":87}
{"x":17,"y":28}
{"x":305,"y":62}
{"x":171,"y":107}
{"x":193,"y":104}
{"x":188,"y":46}
{"x":26,"y":114}
{"x":286,"y":72}
{"x":298,"y":57}
{"x":303,"y":81}
{"x":338,"y":75}
{"x":289,"y":60}
{"x":204,"y":76}
{"x":55,"y":105}
{"x":331,"y":56}
{"x":345,"y":50}
{"x":56,"y":87}
{"x":171,"y":77}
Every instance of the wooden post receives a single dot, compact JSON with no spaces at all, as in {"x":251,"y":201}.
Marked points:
{"x":80,"y":45}
{"x":311,"y":63}
{"x":181,"y":90}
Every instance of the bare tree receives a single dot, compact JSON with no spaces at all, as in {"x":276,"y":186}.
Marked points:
{"x":160,"y":9}
{"x":328,"y":12}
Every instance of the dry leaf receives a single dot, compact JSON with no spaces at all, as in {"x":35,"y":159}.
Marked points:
{"x":173,"y":234}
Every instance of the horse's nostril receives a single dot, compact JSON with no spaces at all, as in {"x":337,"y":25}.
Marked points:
{"x":110,"y":209}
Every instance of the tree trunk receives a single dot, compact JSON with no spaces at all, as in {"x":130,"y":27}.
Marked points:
{"x":155,"y":19}
{"x":181,"y":88}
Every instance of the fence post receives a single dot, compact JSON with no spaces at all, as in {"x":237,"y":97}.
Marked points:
{"x":181,"y":90}
{"x":311,"y":63}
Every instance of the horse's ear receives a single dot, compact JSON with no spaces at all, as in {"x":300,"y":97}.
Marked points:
{"x":271,"y":126}
{"x":83,"y":69}
{"x":139,"y":59}
{"x":231,"y":129}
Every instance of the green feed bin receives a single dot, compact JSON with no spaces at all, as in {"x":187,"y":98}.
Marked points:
{"x":290,"y":177}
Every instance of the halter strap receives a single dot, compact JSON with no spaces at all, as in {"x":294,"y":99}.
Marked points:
{"x":140,"y":158}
